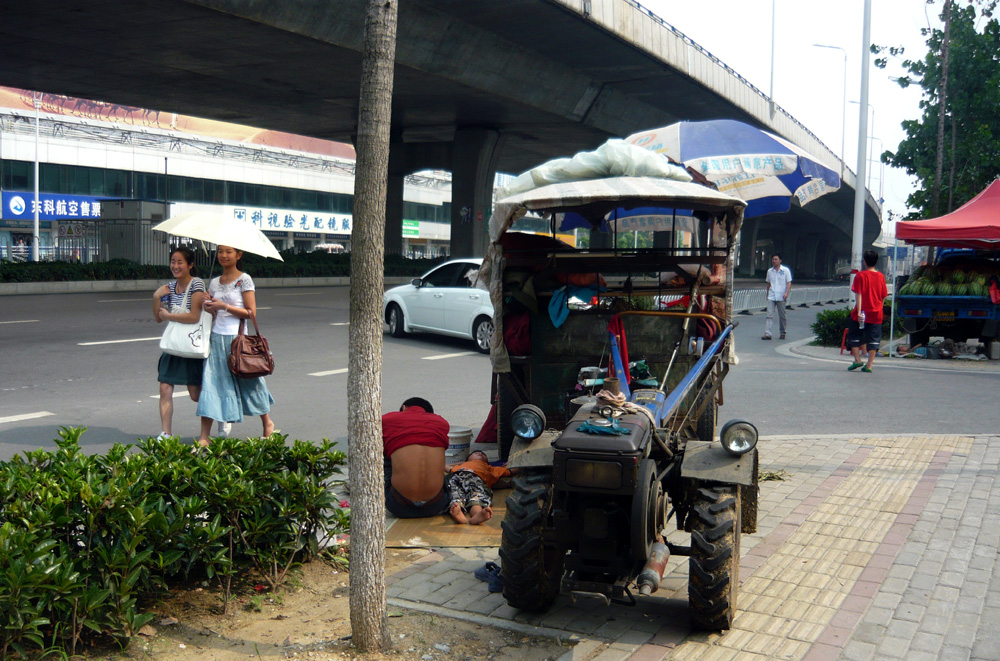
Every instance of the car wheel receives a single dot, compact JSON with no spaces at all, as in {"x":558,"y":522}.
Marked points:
{"x":394,"y":317}
{"x":482,"y":332}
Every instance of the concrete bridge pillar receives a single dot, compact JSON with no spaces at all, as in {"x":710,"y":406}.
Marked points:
{"x":473,"y":168}
{"x":394,"y":213}
{"x":809,"y":265}
{"x":748,"y":245}
{"x":406,"y":158}
{"x":790,"y":255}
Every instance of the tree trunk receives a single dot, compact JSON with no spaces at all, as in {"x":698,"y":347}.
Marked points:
{"x":369,"y":623}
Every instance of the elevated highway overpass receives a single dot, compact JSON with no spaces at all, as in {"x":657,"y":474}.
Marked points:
{"x":479,"y":88}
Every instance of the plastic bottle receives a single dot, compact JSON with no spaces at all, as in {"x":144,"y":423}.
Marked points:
{"x":861,"y":319}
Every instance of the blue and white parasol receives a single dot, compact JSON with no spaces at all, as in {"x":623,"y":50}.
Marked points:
{"x":756,"y":166}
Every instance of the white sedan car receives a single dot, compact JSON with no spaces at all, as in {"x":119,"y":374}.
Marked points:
{"x":446,"y":301}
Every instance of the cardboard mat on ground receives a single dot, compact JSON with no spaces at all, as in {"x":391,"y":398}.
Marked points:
{"x":442,"y":531}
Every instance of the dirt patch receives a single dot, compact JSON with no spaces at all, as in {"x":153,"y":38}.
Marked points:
{"x":310,"y":620}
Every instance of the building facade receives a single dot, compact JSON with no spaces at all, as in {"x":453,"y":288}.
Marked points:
{"x":300,"y":199}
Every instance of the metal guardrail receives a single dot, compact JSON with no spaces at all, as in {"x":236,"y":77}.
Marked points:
{"x":746,"y":301}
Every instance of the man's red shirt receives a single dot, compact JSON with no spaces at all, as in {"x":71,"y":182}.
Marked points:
{"x":870,"y":288}
{"x":414,"y":426}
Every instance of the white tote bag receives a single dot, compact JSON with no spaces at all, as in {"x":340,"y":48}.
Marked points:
{"x":187,"y":340}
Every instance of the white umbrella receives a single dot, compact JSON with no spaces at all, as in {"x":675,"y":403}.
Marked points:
{"x":215,"y":228}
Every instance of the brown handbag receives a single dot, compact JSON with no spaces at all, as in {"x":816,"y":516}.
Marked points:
{"x":249,"y":355}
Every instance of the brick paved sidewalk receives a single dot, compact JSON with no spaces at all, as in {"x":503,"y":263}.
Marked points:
{"x":869,"y":548}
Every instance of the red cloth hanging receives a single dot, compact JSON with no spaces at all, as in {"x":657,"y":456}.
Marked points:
{"x":488,"y":434}
{"x":615,"y":326}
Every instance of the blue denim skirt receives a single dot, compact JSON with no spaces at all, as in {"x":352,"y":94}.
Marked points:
{"x":224,"y":396}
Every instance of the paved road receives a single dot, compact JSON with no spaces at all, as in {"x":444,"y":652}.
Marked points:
{"x":871,"y":547}
{"x":49,"y":363}
{"x":881,"y":542}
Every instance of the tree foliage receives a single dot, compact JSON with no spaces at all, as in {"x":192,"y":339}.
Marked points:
{"x":971,"y":145}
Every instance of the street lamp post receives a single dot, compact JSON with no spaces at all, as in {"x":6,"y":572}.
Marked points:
{"x":34,"y":233}
{"x":771,"y":91}
{"x":868,"y":181}
{"x":843,"y":107}
{"x":857,"y":235}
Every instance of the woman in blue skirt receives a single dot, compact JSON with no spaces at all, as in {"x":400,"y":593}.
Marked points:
{"x":225,"y":397}
{"x":175,"y":370}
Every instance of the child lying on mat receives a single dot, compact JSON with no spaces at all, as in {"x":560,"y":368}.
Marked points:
{"x":470,"y":488}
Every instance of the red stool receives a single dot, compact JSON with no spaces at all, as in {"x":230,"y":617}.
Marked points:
{"x":843,"y":342}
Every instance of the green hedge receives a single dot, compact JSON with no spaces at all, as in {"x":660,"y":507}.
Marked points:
{"x":86,"y":540}
{"x":296,"y":265}
{"x":830,"y":324}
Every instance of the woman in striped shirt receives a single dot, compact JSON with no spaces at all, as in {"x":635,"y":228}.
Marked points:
{"x":174,"y":370}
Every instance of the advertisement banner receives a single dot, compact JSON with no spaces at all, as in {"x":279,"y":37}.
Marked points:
{"x":293,"y":221}
{"x":21,"y":206}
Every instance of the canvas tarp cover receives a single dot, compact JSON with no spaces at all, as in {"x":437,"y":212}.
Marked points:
{"x":976,"y":224}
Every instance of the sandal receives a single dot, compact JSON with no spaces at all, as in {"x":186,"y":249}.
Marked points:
{"x":866,"y":369}
{"x":855,"y":366}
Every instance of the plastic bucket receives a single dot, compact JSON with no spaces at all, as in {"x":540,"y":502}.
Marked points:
{"x":459,"y":439}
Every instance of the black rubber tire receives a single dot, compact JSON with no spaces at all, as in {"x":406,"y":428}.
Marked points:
{"x":394,"y":317}
{"x":506,"y":403}
{"x":714,"y":565}
{"x":531,"y":569}
{"x":706,"y":426}
{"x":647,"y":519}
{"x":482,"y":331}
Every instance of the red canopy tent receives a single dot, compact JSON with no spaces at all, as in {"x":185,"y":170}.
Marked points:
{"x":975,"y":224}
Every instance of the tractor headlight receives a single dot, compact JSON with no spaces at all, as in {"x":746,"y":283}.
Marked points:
{"x":527,"y":422}
{"x":738,"y":437}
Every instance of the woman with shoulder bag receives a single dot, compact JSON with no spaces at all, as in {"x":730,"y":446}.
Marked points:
{"x":187,"y":291}
{"x":225,"y":397}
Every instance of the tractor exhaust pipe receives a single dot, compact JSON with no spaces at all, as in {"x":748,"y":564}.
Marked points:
{"x":652,"y":572}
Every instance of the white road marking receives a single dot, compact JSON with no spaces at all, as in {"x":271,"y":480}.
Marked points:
{"x":442,"y":356}
{"x":263,"y":308}
{"x":25,"y":416}
{"x":341,"y":323}
{"x":24,"y":321}
{"x":329,"y":372}
{"x":122,"y":300}
{"x":177,"y":393}
{"x":135,"y":339}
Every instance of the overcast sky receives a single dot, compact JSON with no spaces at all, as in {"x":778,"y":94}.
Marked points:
{"x":808,"y":81}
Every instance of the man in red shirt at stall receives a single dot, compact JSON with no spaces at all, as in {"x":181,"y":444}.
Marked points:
{"x":414,"y":440}
{"x":869,"y":285}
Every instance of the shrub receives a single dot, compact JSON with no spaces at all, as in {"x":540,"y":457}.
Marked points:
{"x":296,"y":265}
{"x":830,"y":324}
{"x":86,"y":539}
{"x":829,"y":327}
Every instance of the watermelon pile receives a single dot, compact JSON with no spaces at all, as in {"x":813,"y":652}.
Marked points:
{"x":932,"y":281}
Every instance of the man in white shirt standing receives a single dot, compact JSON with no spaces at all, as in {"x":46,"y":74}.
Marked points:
{"x":779,"y":284}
